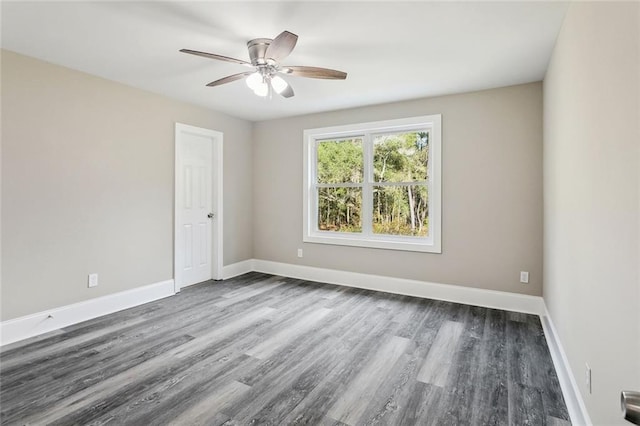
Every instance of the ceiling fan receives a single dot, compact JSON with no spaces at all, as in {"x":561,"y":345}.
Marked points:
{"x":265,"y":55}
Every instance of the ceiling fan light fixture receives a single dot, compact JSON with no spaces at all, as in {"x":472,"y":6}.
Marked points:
{"x":278,"y":84}
{"x":261,"y":89}
{"x":254,"y":81}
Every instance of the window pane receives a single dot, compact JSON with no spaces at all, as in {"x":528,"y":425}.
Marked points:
{"x":339,"y":209}
{"x":401,"y":210}
{"x":400,"y":157}
{"x":340,"y":161}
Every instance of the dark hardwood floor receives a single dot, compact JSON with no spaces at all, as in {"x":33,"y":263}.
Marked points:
{"x":262,"y":349}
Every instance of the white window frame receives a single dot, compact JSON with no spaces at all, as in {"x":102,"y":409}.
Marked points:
{"x":311,"y":234}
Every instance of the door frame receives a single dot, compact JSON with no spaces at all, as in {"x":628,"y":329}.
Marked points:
{"x":216,"y":200}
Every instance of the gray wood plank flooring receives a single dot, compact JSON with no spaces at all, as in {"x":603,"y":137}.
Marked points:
{"x":263,"y":349}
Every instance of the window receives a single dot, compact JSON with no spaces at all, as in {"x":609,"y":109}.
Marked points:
{"x":374,"y":184}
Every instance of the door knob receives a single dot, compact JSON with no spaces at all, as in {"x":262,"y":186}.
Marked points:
{"x":631,"y":406}
{"x":211,"y":215}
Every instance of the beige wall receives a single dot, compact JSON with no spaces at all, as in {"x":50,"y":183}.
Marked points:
{"x":592,"y":200}
{"x":87,"y":185}
{"x":492,"y":192}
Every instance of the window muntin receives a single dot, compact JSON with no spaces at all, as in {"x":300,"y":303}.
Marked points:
{"x":374,"y":185}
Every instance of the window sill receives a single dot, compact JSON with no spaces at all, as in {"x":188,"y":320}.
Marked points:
{"x":388,"y":242}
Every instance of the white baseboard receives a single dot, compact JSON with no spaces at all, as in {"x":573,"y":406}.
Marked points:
{"x":43,"y":322}
{"x":570,"y":391}
{"x":32,"y":325}
{"x":235,"y":269}
{"x":451,"y":293}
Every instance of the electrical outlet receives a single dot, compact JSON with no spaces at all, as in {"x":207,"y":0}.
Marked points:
{"x":524,"y":277}
{"x":587,"y":377}
{"x":93,"y":280}
{"x":299,"y":252}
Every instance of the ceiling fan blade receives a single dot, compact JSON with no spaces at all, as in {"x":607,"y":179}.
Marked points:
{"x":287,"y":92}
{"x":214,"y":56}
{"x":281,"y":46}
{"x":314,"y":72}
{"x":230,"y":78}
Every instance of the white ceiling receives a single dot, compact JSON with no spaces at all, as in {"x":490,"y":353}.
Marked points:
{"x":391,"y":50}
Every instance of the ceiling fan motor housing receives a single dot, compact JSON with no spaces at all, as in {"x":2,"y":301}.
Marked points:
{"x":257,"y":50}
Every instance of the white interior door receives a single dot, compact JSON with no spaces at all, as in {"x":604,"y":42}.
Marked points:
{"x":198,"y":203}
